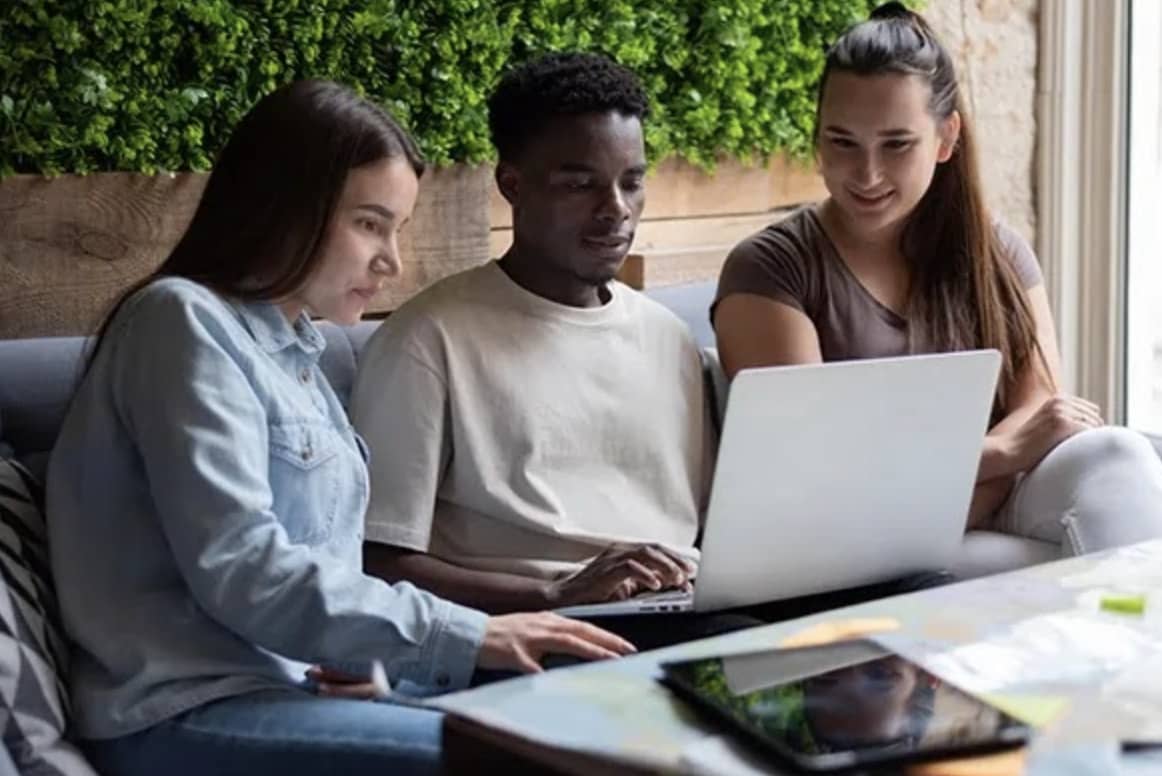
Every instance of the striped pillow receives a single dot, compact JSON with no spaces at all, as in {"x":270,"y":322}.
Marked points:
{"x":33,"y":653}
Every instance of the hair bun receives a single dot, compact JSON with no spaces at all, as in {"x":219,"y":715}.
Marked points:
{"x":892,"y":10}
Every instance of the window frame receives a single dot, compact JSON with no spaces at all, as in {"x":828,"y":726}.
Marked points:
{"x":1082,"y":191}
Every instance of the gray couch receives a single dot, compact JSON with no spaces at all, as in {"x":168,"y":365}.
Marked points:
{"x":37,"y":377}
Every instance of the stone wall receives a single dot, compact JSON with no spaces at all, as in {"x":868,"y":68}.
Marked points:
{"x":995,"y":46}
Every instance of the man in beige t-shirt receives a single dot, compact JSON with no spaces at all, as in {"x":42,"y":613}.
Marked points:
{"x":538,"y":431}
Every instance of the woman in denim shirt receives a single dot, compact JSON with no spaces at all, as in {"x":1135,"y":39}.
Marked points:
{"x":206,"y":495}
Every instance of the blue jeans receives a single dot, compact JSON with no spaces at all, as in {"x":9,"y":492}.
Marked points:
{"x":288,"y":732}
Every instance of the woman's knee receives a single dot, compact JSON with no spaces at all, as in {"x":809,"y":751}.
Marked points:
{"x":1107,"y":446}
{"x":1095,"y":467}
{"x":1115,"y":488}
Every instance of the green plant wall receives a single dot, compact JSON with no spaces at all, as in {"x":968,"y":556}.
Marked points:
{"x":151,"y":85}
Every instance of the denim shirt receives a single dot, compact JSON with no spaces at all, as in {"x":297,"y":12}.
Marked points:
{"x":206,"y":501}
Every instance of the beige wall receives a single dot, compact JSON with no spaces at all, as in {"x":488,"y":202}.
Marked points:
{"x":995,"y":46}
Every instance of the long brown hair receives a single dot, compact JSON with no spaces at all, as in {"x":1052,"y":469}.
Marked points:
{"x":259,"y":225}
{"x":965,"y":293}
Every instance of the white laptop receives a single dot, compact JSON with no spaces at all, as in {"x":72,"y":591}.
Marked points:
{"x":836,"y":475}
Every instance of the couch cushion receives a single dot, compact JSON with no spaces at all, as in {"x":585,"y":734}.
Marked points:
{"x":358,"y":334}
{"x":37,"y":378}
{"x":33,"y":655}
{"x":339,"y":358}
{"x":717,"y":386}
{"x":691,"y":303}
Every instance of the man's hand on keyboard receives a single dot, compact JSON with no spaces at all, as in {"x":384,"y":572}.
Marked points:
{"x":620,"y":572}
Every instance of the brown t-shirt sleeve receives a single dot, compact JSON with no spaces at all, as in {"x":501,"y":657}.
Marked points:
{"x":1017,"y":249}
{"x":770,"y":263}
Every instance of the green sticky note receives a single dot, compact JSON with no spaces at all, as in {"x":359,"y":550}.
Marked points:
{"x":1036,"y":710}
{"x":1124,"y":604}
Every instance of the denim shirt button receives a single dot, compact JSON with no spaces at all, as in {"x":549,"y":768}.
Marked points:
{"x":305,"y":375}
{"x":443,"y":680}
{"x":307,"y":453}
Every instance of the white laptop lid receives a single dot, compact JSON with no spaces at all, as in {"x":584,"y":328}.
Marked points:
{"x":843,"y":474}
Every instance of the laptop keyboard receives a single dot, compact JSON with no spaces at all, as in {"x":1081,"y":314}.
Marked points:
{"x":644,"y":603}
{"x":663,"y":596}
{"x":664,"y":601}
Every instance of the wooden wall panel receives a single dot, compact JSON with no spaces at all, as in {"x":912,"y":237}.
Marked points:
{"x":448,"y":232}
{"x":693,"y":218}
{"x":670,"y":265}
{"x":675,"y":234}
{"x":68,"y":245}
{"x":677,"y":189}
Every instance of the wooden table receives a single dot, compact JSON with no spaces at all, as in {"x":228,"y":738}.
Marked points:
{"x":1103,"y":687}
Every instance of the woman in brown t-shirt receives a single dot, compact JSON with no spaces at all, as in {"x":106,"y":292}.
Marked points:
{"x":903,"y":257}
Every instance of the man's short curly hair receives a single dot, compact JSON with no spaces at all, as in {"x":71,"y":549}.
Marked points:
{"x":531,"y":94}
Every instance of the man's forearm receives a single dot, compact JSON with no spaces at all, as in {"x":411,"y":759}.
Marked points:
{"x":490,"y":591}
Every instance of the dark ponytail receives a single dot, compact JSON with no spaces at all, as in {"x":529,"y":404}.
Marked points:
{"x":893,"y":10}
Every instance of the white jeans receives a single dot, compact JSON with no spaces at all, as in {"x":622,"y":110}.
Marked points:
{"x":1100,"y":488}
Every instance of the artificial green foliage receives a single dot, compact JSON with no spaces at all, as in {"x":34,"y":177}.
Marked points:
{"x":149,"y":85}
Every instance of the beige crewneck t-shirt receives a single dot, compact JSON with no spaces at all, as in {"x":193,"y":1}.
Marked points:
{"x":511,"y":433}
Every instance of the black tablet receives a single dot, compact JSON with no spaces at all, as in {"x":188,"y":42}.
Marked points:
{"x":845,"y":705}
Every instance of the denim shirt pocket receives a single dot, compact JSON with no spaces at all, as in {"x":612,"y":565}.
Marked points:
{"x":305,"y":477}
